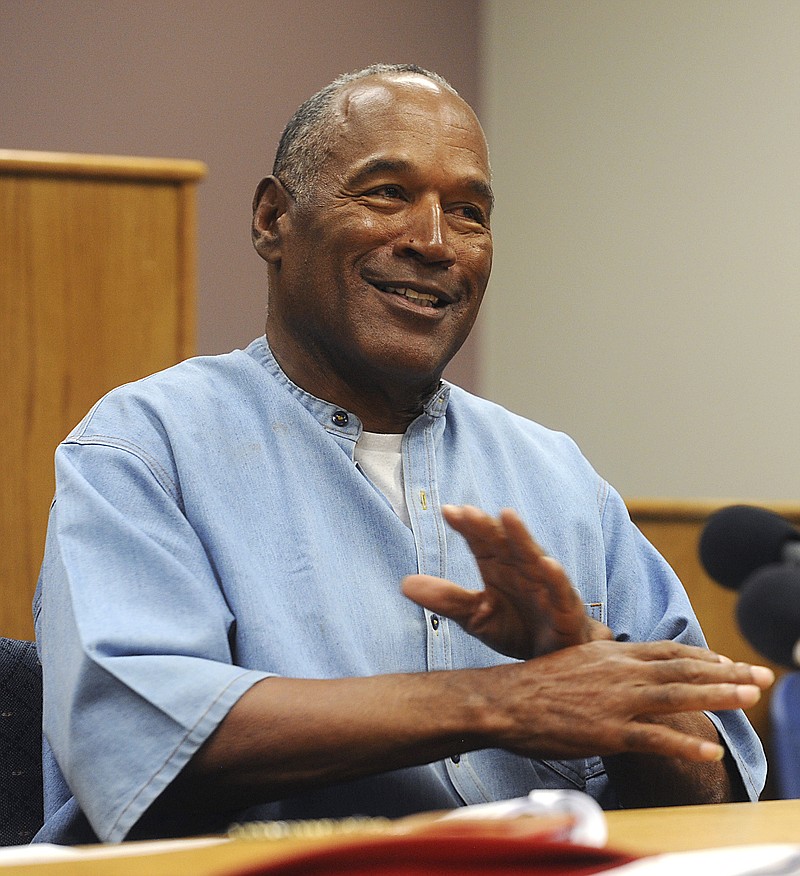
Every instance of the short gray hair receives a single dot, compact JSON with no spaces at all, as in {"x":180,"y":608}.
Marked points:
{"x":308,"y":137}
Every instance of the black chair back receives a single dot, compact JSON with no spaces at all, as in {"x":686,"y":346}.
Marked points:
{"x":21,"y":813}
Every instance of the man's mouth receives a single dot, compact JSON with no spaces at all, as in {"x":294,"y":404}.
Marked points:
{"x":423,"y":299}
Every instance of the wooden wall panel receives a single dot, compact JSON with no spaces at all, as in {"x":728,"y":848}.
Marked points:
{"x":97,"y":288}
{"x":674,"y":527}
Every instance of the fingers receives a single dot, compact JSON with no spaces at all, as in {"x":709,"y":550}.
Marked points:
{"x":698,"y":664}
{"x":684,"y":697}
{"x":603,"y":698}
{"x":528,"y":555}
{"x":486,"y":538}
{"x":648,"y":738}
{"x":762,"y":676}
{"x":511,"y":561}
{"x":528,"y":606}
{"x":503,"y":538}
{"x":441,"y":596}
{"x":663,"y":678}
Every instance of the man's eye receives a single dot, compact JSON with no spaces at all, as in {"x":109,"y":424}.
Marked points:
{"x":472,"y":213}
{"x":388,"y":191}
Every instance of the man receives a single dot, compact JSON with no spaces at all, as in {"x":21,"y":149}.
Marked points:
{"x":223,"y":627}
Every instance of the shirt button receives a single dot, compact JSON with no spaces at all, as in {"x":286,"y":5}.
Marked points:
{"x":434,"y":622}
{"x":340,"y":418}
{"x":456,"y":758}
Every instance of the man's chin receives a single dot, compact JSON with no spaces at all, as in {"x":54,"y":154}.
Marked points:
{"x":412,"y":367}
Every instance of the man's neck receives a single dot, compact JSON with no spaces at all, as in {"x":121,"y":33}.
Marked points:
{"x":385,"y":403}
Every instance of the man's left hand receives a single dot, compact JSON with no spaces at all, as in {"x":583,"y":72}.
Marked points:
{"x":528,"y":606}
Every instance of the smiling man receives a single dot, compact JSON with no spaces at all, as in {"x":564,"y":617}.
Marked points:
{"x":268,"y":589}
{"x":378,"y":264}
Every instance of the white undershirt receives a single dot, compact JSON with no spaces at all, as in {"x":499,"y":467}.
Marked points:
{"x":380,"y":459}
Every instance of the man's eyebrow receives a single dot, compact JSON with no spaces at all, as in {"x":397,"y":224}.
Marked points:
{"x":483,"y":190}
{"x":377,"y":166}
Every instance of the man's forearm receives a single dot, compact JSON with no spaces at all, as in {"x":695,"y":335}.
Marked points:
{"x":285,"y":736}
{"x":288,"y":735}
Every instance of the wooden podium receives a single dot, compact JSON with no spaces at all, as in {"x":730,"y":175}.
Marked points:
{"x":97,"y":287}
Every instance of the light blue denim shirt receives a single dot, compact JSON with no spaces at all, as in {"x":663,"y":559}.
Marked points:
{"x":211,"y":529}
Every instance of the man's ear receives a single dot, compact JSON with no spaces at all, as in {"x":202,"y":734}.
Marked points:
{"x":270,"y":203}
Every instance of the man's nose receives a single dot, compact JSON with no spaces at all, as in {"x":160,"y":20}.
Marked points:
{"x":425,"y":236}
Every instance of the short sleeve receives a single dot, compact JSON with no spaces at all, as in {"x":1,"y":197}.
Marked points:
{"x":135,"y":631}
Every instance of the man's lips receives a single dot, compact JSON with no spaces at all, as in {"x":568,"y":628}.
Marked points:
{"x":421,"y":295}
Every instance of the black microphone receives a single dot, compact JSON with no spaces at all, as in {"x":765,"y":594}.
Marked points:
{"x":740,"y":539}
{"x":768,"y":612}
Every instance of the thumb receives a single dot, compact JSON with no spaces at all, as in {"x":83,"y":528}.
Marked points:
{"x":442,"y":596}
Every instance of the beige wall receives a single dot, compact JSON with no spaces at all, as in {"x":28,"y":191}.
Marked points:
{"x":213,"y":81}
{"x":646,"y":291}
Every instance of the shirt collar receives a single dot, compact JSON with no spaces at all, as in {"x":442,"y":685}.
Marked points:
{"x":333,"y":418}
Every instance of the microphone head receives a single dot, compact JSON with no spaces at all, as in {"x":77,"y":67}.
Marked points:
{"x":768,"y":612}
{"x":740,"y":539}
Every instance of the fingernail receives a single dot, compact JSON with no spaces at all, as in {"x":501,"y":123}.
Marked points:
{"x":711,"y":751}
{"x":748,"y":694}
{"x":763,"y":676}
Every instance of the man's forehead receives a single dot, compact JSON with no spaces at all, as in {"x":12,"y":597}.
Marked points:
{"x":408,"y":94}
{"x":407,"y":103}
{"x":382,"y":87}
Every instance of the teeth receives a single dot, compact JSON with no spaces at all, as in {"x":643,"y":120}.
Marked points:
{"x":419,"y":297}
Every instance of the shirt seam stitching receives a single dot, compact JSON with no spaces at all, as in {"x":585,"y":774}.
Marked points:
{"x":186,"y":737}
{"x":158,"y":471}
